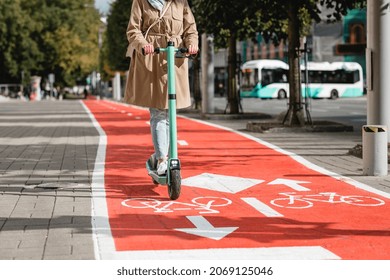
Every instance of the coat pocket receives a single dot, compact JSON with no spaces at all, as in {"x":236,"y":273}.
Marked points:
{"x":177,"y":19}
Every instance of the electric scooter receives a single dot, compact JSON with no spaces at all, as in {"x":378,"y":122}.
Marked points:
{"x":172,"y":178}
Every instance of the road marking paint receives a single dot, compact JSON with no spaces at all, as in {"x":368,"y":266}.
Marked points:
{"x":203,"y":228}
{"x":298,"y":159}
{"x":274,"y":253}
{"x":104,"y":243}
{"x":102,"y":236}
{"x":220,"y":183}
{"x":202,"y":205}
{"x":294,"y":184}
{"x":182,"y":142}
{"x":261,"y":207}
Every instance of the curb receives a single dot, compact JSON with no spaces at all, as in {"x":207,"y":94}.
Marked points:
{"x":317,"y":126}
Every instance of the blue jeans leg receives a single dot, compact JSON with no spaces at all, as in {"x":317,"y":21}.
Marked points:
{"x":159,"y":126}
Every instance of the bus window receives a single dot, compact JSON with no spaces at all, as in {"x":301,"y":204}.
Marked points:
{"x":270,"y":76}
{"x":266,"y":77}
{"x":250,"y":78}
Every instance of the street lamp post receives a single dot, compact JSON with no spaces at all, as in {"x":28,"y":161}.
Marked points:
{"x":378,"y":63}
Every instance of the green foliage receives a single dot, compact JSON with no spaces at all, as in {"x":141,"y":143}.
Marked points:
{"x":269,"y":17}
{"x":225,"y":18}
{"x":273,"y":19}
{"x":40,"y":37}
{"x":116,"y":40}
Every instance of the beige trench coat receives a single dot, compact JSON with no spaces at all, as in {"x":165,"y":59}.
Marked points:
{"x":147,"y":78}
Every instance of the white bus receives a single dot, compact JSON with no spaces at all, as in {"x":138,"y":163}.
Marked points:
{"x":264,"y":78}
{"x":268,"y":79}
{"x":333,"y":80}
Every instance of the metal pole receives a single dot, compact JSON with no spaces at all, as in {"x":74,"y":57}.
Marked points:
{"x":173,"y":154}
{"x":378,"y":63}
{"x":207,"y":60}
{"x":117,"y":86}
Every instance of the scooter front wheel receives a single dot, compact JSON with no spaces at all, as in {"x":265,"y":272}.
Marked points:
{"x":174,"y":186}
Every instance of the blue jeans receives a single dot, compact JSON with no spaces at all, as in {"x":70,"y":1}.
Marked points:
{"x":159,"y":127}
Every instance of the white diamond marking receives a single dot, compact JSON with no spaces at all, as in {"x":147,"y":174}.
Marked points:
{"x":220,"y":183}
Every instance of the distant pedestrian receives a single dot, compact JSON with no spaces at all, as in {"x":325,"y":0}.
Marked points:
{"x":153,"y":23}
{"x":27,"y":92}
{"x":85,"y":93}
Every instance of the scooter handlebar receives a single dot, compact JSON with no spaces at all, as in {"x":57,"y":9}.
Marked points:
{"x":157,"y":50}
{"x":183,"y":50}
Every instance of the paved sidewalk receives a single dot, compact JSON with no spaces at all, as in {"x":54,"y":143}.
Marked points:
{"x":47,"y":155}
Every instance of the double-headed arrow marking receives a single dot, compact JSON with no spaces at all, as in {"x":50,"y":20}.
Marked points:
{"x":204,"y":229}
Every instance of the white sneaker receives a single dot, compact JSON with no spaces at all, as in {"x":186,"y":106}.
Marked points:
{"x":162,"y":167}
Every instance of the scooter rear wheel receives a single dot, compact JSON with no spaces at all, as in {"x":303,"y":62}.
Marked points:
{"x":174,"y":187}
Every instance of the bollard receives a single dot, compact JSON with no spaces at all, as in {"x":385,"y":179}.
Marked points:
{"x":375,"y":150}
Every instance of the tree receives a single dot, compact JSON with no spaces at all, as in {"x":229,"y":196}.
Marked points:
{"x":48,"y":36}
{"x":228,"y":21}
{"x":299,"y":14}
{"x":116,"y":40}
{"x":18,"y":51}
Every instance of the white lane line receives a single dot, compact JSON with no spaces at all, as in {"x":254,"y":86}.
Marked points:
{"x":102,"y":236}
{"x":270,"y":253}
{"x":261,"y":207}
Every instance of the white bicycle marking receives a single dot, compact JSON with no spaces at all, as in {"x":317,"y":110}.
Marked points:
{"x":203,"y":204}
{"x":299,"y":201}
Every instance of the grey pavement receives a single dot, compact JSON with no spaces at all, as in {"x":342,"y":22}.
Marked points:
{"x":47,"y":156}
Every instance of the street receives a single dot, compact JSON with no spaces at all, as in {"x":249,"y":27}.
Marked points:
{"x":74,"y":186}
{"x":349,"y":111}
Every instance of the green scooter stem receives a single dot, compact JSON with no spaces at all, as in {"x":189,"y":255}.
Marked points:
{"x":172,"y":179}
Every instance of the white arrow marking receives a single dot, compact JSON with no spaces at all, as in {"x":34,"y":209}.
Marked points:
{"x":182,"y":142}
{"x":295,"y":185}
{"x":205,"y":229}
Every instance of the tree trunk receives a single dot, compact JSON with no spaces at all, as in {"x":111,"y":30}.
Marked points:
{"x":233,"y":98}
{"x":295,"y":114}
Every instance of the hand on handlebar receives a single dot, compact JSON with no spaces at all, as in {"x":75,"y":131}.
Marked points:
{"x":192,"y":50}
{"x":148,"y":49}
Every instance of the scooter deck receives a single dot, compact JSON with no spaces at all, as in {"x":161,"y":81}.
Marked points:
{"x":160,"y":179}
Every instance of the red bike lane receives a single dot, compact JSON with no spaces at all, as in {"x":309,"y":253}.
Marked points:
{"x":237,"y":193}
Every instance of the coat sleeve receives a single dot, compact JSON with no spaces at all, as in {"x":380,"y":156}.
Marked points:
{"x":190,"y":32}
{"x":134,"y":32}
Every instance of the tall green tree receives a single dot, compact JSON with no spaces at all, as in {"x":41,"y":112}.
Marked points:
{"x":228,"y":21}
{"x":116,"y":40}
{"x":297,"y":16}
{"x":18,"y":50}
{"x":39,"y":37}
